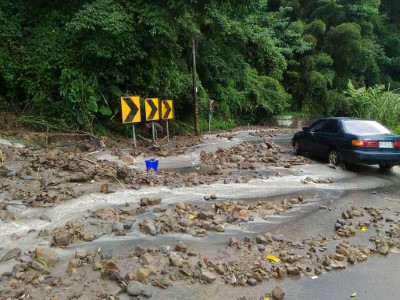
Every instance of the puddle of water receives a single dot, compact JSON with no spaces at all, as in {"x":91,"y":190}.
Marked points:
{"x":200,"y":170}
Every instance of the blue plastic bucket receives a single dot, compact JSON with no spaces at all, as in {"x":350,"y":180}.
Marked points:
{"x":151,"y":164}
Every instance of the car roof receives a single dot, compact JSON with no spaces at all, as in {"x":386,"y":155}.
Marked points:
{"x":345,"y":118}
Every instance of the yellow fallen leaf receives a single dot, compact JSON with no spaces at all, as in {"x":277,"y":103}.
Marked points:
{"x":353,"y":294}
{"x":273,"y":258}
{"x":191,"y":217}
{"x":363,"y":228}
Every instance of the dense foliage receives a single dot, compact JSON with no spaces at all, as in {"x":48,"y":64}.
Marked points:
{"x":68,"y":62}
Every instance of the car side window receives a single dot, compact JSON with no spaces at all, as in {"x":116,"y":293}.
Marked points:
{"x":330,"y":127}
{"x":317,"y":127}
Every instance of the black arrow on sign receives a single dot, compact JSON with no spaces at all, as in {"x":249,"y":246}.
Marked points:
{"x":153,"y":110}
{"x":133,"y":107}
{"x":167,"y":111}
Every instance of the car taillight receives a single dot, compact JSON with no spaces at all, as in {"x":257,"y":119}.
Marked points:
{"x":396,"y":144}
{"x":364,"y":143}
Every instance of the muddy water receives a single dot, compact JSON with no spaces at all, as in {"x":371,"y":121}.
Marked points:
{"x":286,"y":186}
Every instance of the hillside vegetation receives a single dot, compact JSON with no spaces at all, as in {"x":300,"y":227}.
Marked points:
{"x":65,"y":64}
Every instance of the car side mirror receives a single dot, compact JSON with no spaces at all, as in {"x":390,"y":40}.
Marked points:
{"x":305,"y":128}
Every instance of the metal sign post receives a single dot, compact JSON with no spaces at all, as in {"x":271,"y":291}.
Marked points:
{"x":134,"y":135}
{"x":153,"y":131}
{"x":167,"y":131}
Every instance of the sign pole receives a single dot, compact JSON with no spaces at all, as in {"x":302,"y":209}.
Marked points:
{"x":134,"y":135}
{"x":152,"y":129}
{"x":167,"y":131}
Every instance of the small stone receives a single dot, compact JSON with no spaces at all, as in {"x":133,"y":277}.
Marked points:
{"x":13,"y":253}
{"x":278,"y":293}
{"x":139,"y":250}
{"x":175,"y":260}
{"x":180,"y":247}
{"x":141,"y":274}
{"x":185,"y":222}
{"x":383,"y":249}
{"x":159,"y":209}
{"x":164,"y":249}
{"x":135,"y":288}
{"x":150,"y":228}
{"x":233,"y":241}
{"x":47,"y":255}
{"x":219,"y":228}
{"x":181,"y":206}
{"x":251,"y":281}
{"x":293,"y":271}
{"x":80,"y":253}
{"x":146,"y":259}
{"x":155,"y":201}
{"x":207,"y":275}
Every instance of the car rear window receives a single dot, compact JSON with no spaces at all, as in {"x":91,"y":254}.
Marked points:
{"x":364,"y":127}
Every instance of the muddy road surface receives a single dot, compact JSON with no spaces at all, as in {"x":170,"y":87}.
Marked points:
{"x":233,"y":215}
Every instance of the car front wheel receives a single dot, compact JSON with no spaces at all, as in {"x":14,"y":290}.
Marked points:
{"x":334,"y":158}
{"x":297,"y":147}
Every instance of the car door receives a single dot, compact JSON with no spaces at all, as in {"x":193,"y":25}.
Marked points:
{"x":327,"y":137}
{"x":310,"y":141}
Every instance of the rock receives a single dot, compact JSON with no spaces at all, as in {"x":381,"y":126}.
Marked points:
{"x":181,"y":206}
{"x":118,"y":227}
{"x":155,"y":201}
{"x":80,"y":253}
{"x":144,"y":201}
{"x":180,"y":247}
{"x":261,"y":240}
{"x":45,"y":218}
{"x":293,"y":271}
{"x":251,"y":281}
{"x":339,"y":257}
{"x":175,"y":260}
{"x":207,"y":275}
{"x":139,"y":250}
{"x":160,"y":208}
{"x":46,"y":255}
{"x":13,"y":253}
{"x":88,"y":236}
{"x":149,"y":228}
{"x":383,"y":249}
{"x":146,"y":259}
{"x":127,"y":159}
{"x":186,"y":270}
{"x":135,"y":288}
{"x":278,"y":293}
{"x":61,"y":239}
{"x":185,"y":222}
{"x":219,"y":228}
{"x":233,"y":241}
{"x":236,"y":158}
{"x":164,"y":249}
{"x":141,"y":274}
{"x":148,"y":292}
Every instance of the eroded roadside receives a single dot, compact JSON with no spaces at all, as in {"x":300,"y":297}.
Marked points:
{"x":229,"y":228}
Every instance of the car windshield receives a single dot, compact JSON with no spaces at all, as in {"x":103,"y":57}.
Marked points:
{"x":364,"y":127}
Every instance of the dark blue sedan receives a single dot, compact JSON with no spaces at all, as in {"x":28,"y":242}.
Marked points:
{"x":349,"y":140}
